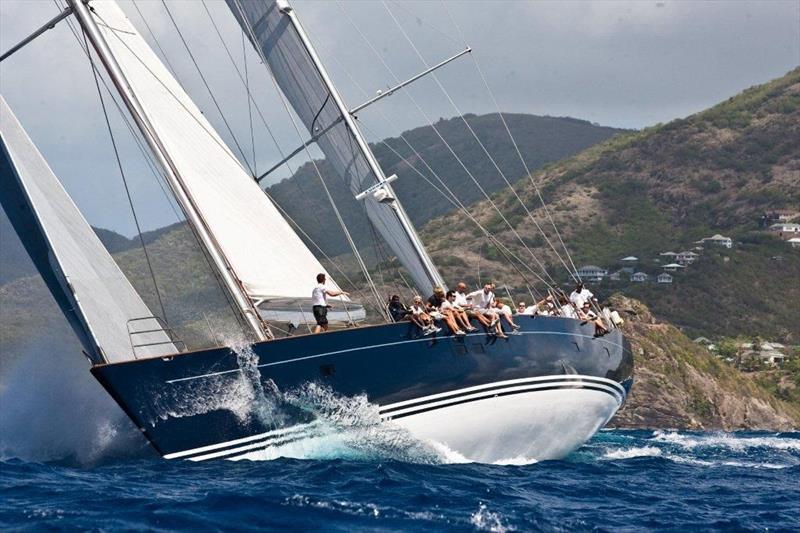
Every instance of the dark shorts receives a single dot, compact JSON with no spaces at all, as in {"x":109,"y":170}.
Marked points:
{"x":320,"y":314}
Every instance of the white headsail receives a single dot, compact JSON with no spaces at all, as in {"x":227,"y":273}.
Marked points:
{"x":263,"y":251}
{"x":303,"y":80}
{"x":97,"y":298}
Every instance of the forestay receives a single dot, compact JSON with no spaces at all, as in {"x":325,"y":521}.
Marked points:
{"x":304,"y":87}
{"x":265,"y":254}
{"x":95,"y":296}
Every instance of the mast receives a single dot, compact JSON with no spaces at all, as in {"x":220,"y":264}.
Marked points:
{"x":229,"y":279}
{"x":431,"y":271}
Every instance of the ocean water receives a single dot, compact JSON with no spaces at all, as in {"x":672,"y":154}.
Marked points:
{"x":620,"y":480}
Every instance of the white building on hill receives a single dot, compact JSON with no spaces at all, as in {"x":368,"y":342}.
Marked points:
{"x":592,"y":273}
{"x":639,"y":277}
{"x":786,"y":230}
{"x":687,"y":258}
{"x":719,"y":240}
{"x":664,"y":278}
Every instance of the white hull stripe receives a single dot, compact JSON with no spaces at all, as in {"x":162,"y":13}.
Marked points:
{"x":432,"y":406}
{"x":237,"y":448}
{"x":619,"y":389}
{"x":374,"y":346}
{"x":266,"y":437}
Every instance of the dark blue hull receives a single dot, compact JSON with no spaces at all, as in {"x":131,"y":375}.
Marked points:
{"x":183,"y":402}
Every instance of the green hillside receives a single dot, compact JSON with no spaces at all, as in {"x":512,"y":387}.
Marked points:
{"x":542,"y":139}
{"x":660,"y":190}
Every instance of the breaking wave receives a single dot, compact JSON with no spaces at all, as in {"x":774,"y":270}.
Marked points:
{"x":718,"y":449}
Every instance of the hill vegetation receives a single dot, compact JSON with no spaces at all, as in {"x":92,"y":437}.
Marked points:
{"x":681,"y":385}
{"x":659,"y":190}
{"x":542,"y":139}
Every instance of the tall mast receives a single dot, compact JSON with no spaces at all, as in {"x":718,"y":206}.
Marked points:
{"x":231,"y":283}
{"x":431,"y":271}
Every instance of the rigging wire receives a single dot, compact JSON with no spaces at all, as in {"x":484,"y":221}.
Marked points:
{"x":510,"y":256}
{"x":356,"y":253}
{"x":514,"y":142}
{"x":155,"y":40}
{"x":208,"y":88}
{"x":453,"y":153}
{"x":474,"y":135}
{"x":249,"y":105}
{"x":125,"y":184}
{"x":296,"y":182}
{"x":85,"y":49}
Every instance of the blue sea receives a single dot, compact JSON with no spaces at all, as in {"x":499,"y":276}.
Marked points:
{"x":620,"y":480}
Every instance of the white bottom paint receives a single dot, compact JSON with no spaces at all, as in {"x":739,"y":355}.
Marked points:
{"x":520,"y":428}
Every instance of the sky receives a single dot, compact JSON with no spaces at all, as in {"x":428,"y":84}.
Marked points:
{"x":624,"y":64}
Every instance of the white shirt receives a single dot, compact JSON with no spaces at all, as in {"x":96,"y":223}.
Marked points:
{"x":319,"y":296}
{"x":530,"y":310}
{"x":461,"y":300}
{"x":568,"y":311}
{"x":417,"y":309}
{"x":504,"y":310}
{"x":579,"y":298}
{"x":446,"y":305}
{"x":481,"y":299}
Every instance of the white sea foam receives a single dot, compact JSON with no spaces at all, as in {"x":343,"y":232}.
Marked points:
{"x":726,"y":440}
{"x":485,"y":520}
{"x":630,"y":453}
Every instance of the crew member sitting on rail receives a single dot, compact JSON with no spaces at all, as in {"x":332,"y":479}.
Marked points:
{"x":433,"y":307}
{"x":468,"y":306}
{"x":482,"y":300}
{"x":397,"y":309}
{"x":319,"y":303}
{"x":567,"y":308}
{"x":590,"y":316}
{"x":544,"y":307}
{"x":422,"y":319}
{"x":450,"y":314}
{"x":505,"y":312}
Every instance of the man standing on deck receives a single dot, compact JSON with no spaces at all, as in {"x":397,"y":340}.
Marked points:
{"x":580,"y":295}
{"x":319,"y":303}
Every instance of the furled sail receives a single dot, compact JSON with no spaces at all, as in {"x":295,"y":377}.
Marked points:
{"x":263,"y":251}
{"x":106,"y":312}
{"x":301,"y":81}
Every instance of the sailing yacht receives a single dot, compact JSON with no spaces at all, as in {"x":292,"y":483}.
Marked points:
{"x":539,"y":394}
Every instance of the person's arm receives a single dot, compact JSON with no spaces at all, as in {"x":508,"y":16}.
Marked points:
{"x":336,"y":293}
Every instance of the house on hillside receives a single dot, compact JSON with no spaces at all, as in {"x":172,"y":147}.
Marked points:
{"x":786,"y":230}
{"x":718,"y":240}
{"x":687,"y":258}
{"x":630,"y":260}
{"x":615,"y":276}
{"x":639,"y":277}
{"x":673,"y":267}
{"x":794,"y":242}
{"x":668,"y":256}
{"x":776,"y":217}
{"x":592,"y":273}
{"x":664,"y":278}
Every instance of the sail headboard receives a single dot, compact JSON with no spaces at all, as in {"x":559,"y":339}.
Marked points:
{"x":97,"y":299}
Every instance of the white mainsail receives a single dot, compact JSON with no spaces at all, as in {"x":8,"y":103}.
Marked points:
{"x":264,"y":252}
{"x":314,"y":101}
{"x":97,"y":298}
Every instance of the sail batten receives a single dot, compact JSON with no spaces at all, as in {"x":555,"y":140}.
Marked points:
{"x":302,"y":79}
{"x":263,"y":252}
